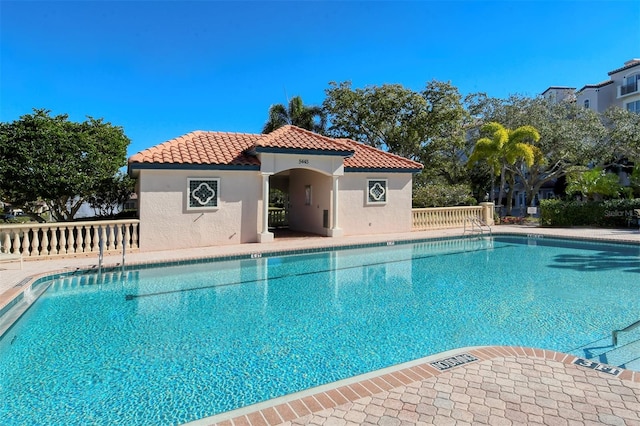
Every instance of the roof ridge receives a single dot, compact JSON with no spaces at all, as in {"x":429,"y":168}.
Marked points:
{"x":316,"y":134}
{"x":289,"y":131}
{"x":287,"y":127}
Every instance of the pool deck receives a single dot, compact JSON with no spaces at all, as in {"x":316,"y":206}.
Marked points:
{"x":488,"y":385}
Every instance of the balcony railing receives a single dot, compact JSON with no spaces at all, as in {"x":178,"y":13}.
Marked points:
{"x":627,"y":89}
{"x":59,"y":239}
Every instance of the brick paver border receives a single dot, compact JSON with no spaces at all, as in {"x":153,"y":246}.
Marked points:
{"x":287,"y":412}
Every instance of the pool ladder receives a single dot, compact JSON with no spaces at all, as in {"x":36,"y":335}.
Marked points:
{"x":101,"y":252}
{"x":476,"y":226}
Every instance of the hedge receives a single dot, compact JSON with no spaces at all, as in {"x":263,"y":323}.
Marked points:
{"x":606,"y":214}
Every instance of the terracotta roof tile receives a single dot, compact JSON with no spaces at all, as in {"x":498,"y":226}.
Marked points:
{"x":292,"y":137}
{"x":234,"y":149}
{"x":368,"y":157}
{"x":202,"y":148}
{"x":629,"y":64}
{"x":596,"y":86}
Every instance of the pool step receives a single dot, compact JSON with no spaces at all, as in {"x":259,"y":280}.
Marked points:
{"x":623,"y":355}
{"x":626,"y":354}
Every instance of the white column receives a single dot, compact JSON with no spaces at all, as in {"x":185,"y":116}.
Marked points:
{"x":265,"y":236}
{"x":487,"y":212}
{"x":335,"y":230}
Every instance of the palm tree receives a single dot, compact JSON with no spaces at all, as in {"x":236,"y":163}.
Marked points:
{"x":502,"y":148}
{"x":308,"y":117}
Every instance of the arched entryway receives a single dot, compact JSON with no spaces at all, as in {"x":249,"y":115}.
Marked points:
{"x":300,"y":203}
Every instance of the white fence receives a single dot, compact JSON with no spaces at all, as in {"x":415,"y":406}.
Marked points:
{"x":48,"y":240}
{"x":450,"y":217}
{"x":278,"y":217}
{"x":72,"y":239}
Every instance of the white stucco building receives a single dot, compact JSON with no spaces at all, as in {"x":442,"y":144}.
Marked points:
{"x":622,"y":89}
{"x":557,"y":94}
{"x":212,"y":188}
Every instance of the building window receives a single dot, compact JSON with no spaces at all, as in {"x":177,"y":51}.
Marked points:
{"x":586,"y":103}
{"x":630,"y":85}
{"x":376,"y":191}
{"x":307,"y":195}
{"x":634,"y":107}
{"x":203,"y":193}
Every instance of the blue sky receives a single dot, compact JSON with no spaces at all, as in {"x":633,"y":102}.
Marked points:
{"x":161,"y":69}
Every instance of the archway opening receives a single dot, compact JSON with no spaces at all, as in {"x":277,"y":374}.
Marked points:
{"x":299,"y":203}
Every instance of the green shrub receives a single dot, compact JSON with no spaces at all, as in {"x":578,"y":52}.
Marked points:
{"x":608,"y":214}
{"x":434,"y":195}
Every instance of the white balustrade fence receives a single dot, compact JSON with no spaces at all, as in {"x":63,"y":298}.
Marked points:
{"x":45,"y":240}
{"x":50,"y":240}
{"x":278,"y":217}
{"x":450,"y":217}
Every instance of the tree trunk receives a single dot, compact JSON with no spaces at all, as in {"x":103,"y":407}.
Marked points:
{"x":510,"y":195}
{"x":492,"y":189}
{"x":502,"y":185}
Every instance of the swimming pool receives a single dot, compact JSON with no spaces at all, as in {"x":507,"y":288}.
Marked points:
{"x":174,"y":344}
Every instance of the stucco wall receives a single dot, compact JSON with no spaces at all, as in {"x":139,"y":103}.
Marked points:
{"x":601,"y":98}
{"x":165,"y":222}
{"x":327,"y":164}
{"x":356,"y":217}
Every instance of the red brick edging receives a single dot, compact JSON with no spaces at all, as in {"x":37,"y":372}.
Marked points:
{"x":333,"y":398}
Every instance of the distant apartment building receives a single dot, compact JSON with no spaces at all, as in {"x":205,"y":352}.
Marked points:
{"x":622,"y":90}
{"x":557,"y":94}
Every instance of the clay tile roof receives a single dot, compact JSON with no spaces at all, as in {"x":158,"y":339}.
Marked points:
{"x":629,"y":64}
{"x":368,"y":157}
{"x":238,"y":150}
{"x":294,"y":138}
{"x":596,"y":86}
{"x":200,"y":147}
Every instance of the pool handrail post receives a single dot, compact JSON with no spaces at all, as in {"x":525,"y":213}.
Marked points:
{"x":100,"y":251}
{"x":124,"y":245}
{"x":614,"y":333}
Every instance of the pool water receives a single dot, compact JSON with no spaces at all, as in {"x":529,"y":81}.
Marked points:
{"x":174,"y":344}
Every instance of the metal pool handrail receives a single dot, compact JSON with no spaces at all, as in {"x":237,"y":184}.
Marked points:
{"x":614,"y":333}
{"x":476,"y":222}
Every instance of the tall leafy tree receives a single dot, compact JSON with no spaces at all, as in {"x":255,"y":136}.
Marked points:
{"x":446,"y":148}
{"x":621,"y":143}
{"x":111,"y":194}
{"x":390,"y":117}
{"x":570,"y":135}
{"x":427,"y":126}
{"x":501,"y":148}
{"x":57,"y":161}
{"x":298,"y":114}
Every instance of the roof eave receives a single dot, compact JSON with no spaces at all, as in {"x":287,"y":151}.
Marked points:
{"x":382,"y":170}
{"x":626,"y":67}
{"x":190,"y":166}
